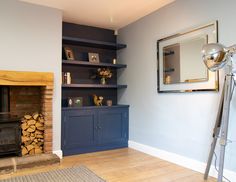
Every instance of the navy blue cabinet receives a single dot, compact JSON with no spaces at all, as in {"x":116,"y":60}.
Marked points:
{"x":89,"y":129}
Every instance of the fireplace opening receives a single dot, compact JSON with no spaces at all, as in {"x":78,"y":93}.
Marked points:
{"x":25,"y":120}
{"x":26,"y":102}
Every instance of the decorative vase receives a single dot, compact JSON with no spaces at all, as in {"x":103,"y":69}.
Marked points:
{"x":103,"y":81}
{"x":109,"y":102}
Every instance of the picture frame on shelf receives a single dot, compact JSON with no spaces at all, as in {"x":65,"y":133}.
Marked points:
{"x":69,"y":53}
{"x":93,"y":57}
{"x":75,"y":101}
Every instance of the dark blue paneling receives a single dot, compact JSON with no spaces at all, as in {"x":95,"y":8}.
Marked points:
{"x":112,"y":125}
{"x":98,"y":128}
{"x":78,"y":129}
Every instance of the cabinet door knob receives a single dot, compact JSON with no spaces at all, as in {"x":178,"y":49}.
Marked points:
{"x":99,"y":127}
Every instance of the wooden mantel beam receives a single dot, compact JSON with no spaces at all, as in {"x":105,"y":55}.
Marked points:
{"x":25,"y":78}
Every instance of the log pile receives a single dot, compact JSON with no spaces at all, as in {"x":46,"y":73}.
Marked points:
{"x":32,"y":135}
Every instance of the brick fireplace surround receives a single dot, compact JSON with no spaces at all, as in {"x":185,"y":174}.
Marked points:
{"x":44,"y":80}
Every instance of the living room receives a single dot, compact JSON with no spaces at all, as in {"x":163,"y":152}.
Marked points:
{"x":165,"y":135}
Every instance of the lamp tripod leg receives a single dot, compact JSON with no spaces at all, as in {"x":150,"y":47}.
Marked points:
{"x":215,"y":135}
{"x":213,"y":145}
{"x":225,"y":124}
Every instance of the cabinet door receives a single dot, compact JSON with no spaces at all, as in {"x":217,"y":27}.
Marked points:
{"x":78,"y":131}
{"x":113,"y":126}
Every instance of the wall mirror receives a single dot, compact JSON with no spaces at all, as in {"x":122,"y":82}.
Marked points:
{"x":180,"y":65}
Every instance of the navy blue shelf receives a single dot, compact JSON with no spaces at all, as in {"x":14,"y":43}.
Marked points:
{"x":169,"y":70}
{"x":92,"y":86}
{"x":89,"y":64}
{"x":169,"y":53}
{"x":94,"y":107}
{"x":92,"y":43}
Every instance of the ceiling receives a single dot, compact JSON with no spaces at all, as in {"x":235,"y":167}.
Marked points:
{"x":111,"y":14}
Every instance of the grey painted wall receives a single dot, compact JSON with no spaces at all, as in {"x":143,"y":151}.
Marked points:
{"x":178,"y":123}
{"x":30,"y":40}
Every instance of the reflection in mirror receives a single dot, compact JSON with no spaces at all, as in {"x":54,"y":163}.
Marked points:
{"x":182,"y":61}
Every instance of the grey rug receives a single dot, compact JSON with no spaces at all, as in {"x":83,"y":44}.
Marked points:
{"x":74,"y":174}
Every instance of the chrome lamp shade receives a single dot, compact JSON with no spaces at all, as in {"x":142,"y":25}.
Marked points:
{"x":214,"y":56}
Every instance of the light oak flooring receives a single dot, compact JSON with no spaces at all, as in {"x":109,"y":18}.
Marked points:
{"x":125,"y":165}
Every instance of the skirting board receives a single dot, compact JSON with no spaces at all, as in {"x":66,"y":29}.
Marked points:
{"x":58,"y":153}
{"x":180,"y":160}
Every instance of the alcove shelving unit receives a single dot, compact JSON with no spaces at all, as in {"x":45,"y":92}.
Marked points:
{"x":92,"y":128}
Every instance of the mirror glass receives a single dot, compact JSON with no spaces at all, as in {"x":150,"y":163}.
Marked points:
{"x":182,"y":62}
{"x":180,"y":65}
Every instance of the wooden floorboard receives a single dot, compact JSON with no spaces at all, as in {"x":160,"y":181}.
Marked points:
{"x":125,"y":165}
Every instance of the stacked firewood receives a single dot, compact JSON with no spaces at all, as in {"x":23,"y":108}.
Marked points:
{"x":32,"y":136}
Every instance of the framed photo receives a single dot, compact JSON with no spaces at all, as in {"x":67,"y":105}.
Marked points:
{"x":69,"y":53}
{"x":75,"y":101}
{"x":93,"y":57}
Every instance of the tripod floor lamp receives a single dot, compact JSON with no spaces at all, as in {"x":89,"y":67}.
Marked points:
{"x":215,"y":57}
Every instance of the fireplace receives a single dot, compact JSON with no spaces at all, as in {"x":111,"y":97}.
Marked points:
{"x":24,"y":93}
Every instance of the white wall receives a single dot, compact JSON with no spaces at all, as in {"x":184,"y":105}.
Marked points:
{"x":30,"y":40}
{"x":178,"y":123}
